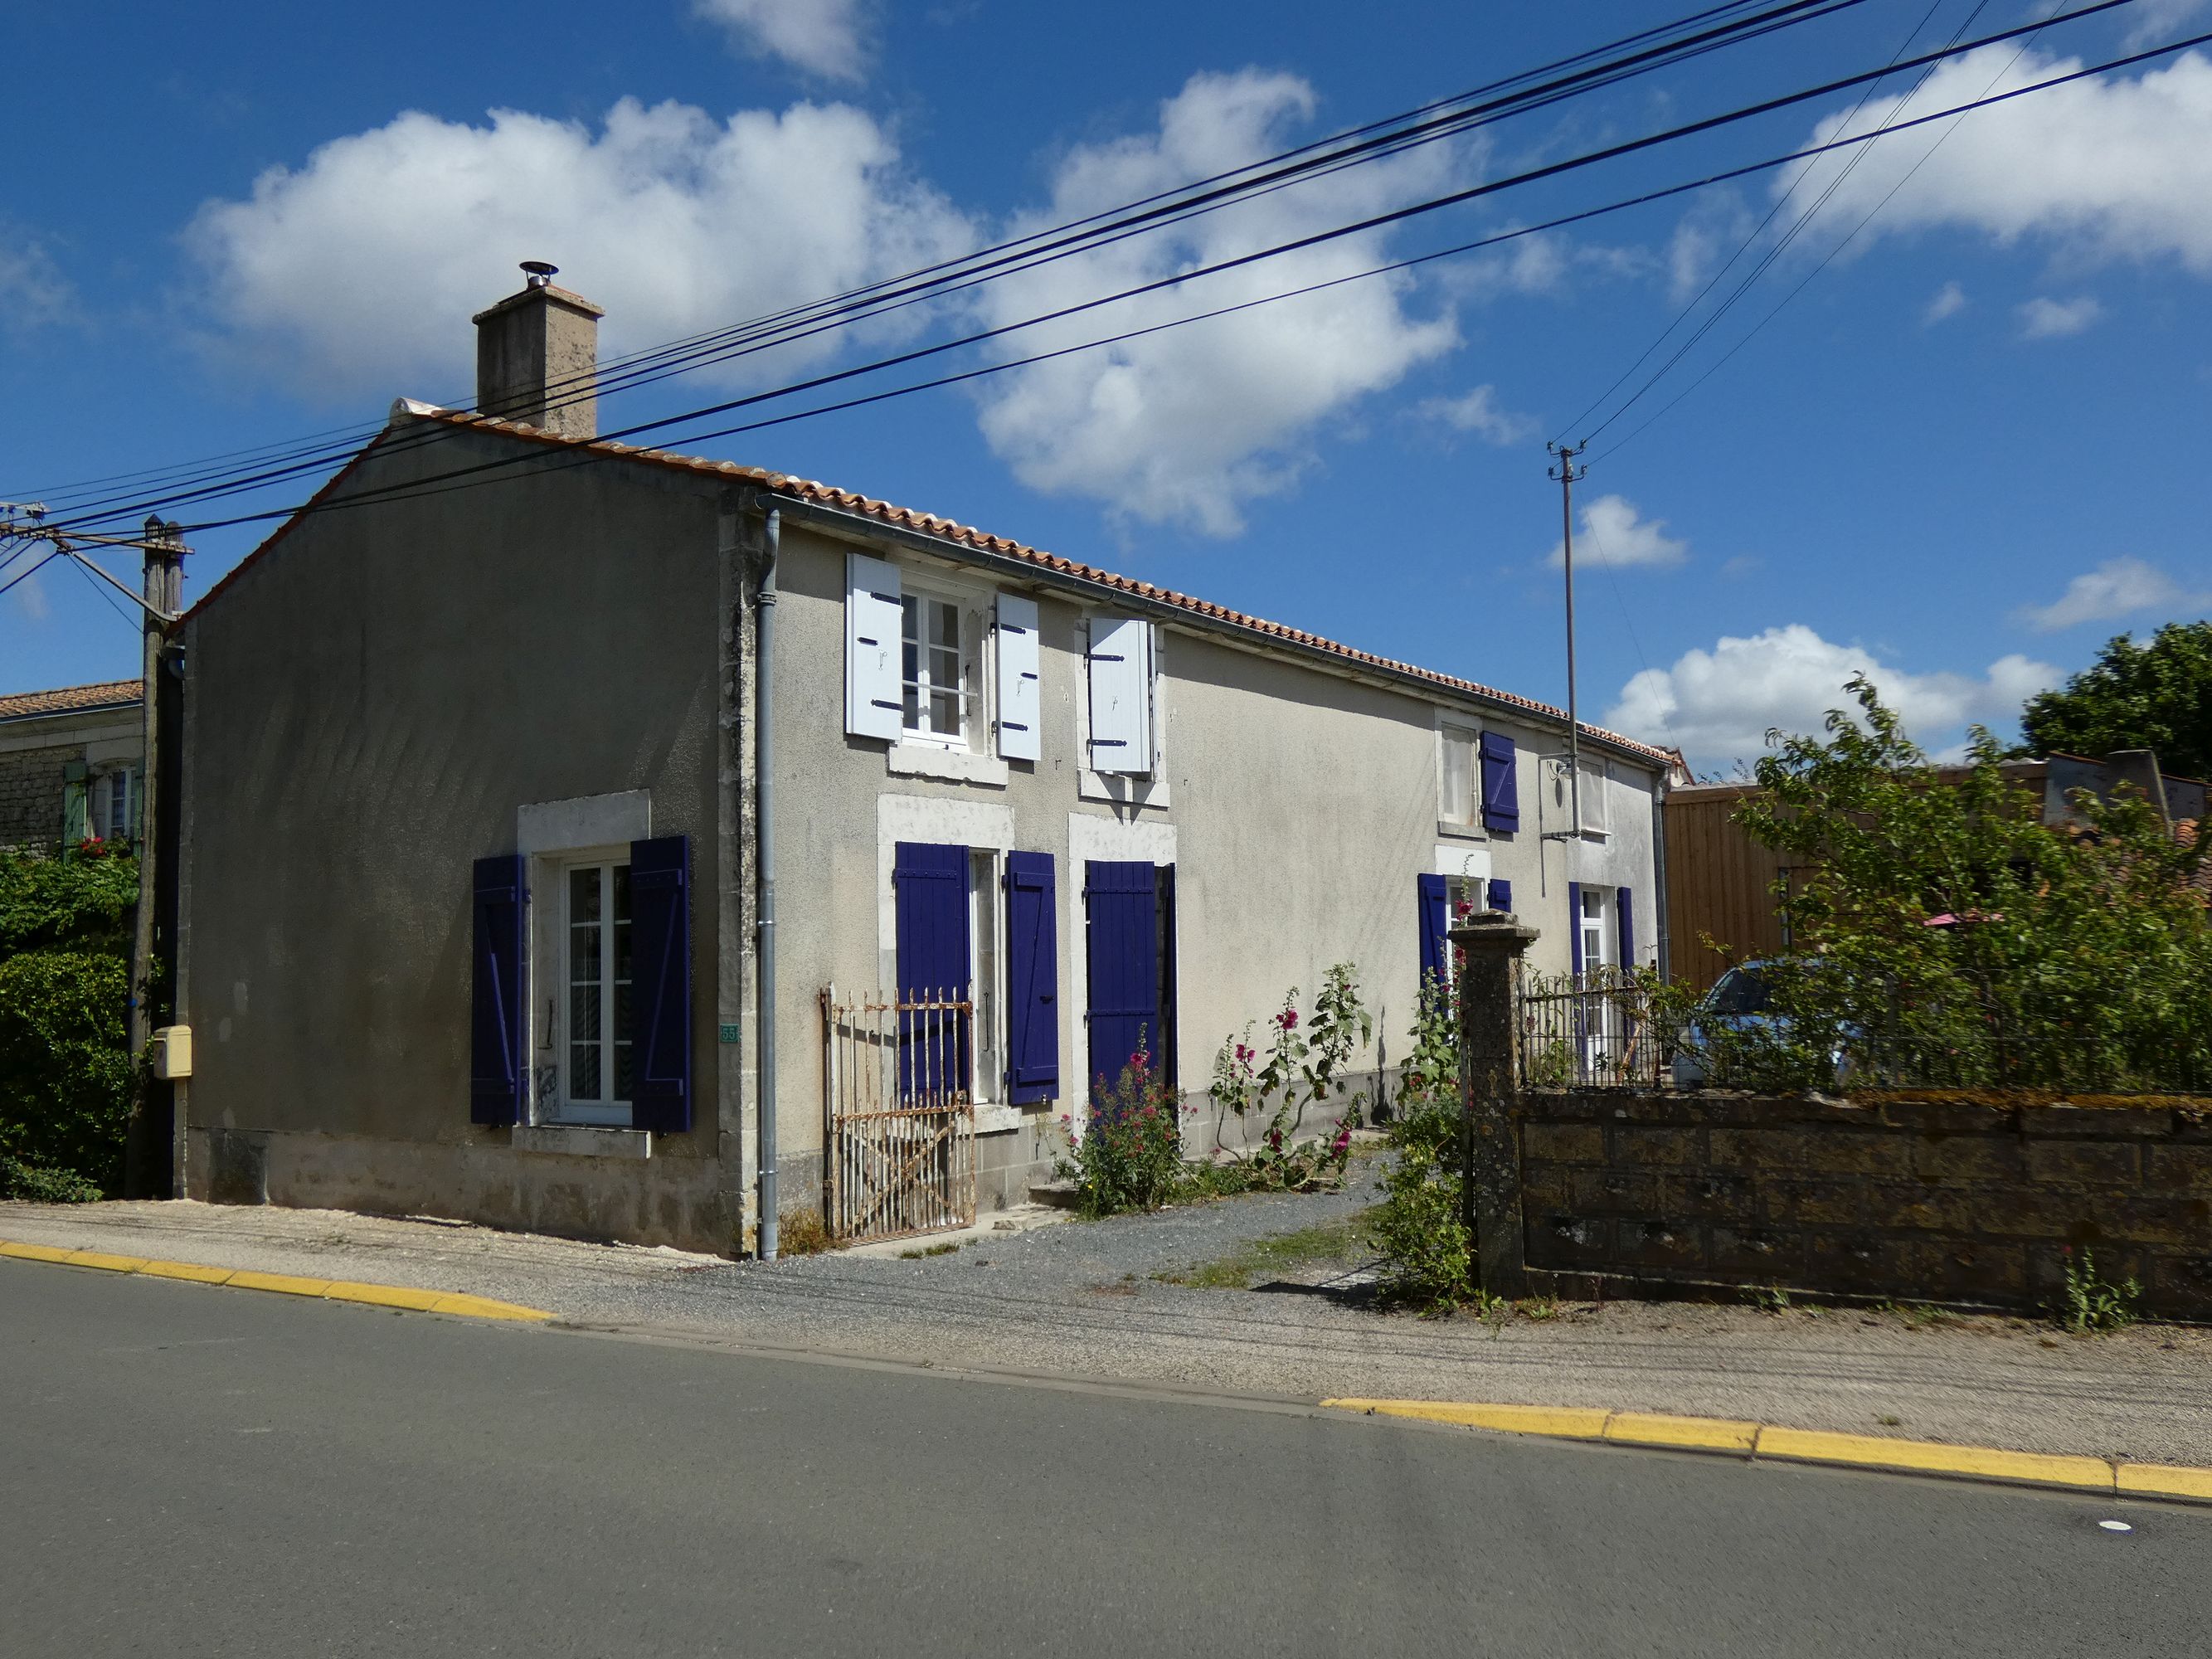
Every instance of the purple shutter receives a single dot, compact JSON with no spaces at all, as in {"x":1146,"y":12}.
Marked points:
{"x":1575,"y":924}
{"x":1032,"y":979}
{"x":1436,"y":925}
{"x":1501,"y":788}
{"x":1627,"y":930}
{"x":929,"y":882}
{"x":1124,"y":955}
{"x":661,"y":983}
{"x":496,"y":1070}
{"x":1500,"y":895}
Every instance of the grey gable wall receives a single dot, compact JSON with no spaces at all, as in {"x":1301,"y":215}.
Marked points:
{"x":369,"y":703}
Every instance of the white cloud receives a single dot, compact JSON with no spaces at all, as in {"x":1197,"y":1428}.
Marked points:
{"x":1188,"y":427}
{"x":2157,"y":20}
{"x":30,"y":597}
{"x":2116,"y":589}
{"x":827,"y":37}
{"x":2042,"y":319}
{"x":1950,"y":300}
{"x":1719,"y":704}
{"x":2106,"y":169}
{"x":358,"y":271}
{"x":1613,"y":533}
{"x":33,"y":292}
{"x":1478,"y":412}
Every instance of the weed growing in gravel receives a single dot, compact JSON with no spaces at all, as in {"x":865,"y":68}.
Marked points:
{"x":2089,"y":1304}
{"x":942,"y":1247}
{"x":801,"y":1232}
{"x":1262,"y":1258}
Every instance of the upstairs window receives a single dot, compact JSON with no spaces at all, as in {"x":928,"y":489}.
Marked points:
{"x":933,"y":673}
{"x":1456,"y":798}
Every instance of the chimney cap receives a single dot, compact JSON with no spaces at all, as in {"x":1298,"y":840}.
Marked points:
{"x":537,"y":273}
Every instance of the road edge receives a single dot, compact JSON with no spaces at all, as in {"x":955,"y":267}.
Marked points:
{"x":2103,"y":1476}
{"x":404,"y":1297}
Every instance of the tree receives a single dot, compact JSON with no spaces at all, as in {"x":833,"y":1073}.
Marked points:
{"x":2134,"y":696}
{"x":1944,"y":934}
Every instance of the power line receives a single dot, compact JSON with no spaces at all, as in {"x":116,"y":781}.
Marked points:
{"x":449,"y":481}
{"x":1759,"y":230}
{"x":1850,"y":236}
{"x":824,"y":315}
{"x":1372,"y":221}
{"x":1797,"y":227}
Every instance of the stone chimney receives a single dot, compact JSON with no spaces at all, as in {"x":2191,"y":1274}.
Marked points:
{"x":538,"y":355}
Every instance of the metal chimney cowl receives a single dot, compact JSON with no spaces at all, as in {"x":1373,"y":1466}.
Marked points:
{"x":538,"y":355}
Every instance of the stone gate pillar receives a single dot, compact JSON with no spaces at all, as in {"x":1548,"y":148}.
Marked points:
{"x":1490,"y":947}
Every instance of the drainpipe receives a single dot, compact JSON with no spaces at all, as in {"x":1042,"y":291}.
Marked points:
{"x":764,"y":854}
{"x":1659,"y":875}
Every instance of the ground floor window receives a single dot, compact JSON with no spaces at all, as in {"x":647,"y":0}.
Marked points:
{"x":598,"y":1017}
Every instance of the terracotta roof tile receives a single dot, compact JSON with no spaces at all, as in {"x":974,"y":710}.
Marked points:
{"x":951,"y":530}
{"x":70,"y":699}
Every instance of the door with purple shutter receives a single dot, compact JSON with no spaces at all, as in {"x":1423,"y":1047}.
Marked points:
{"x":495,"y":992}
{"x":1122,"y":954}
{"x":1434,"y":900}
{"x":661,"y":984}
{"x":930,"y":891}
{"x":1032,"y":979}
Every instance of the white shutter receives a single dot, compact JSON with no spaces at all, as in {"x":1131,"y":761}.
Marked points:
{"x":1019,"y":700}
{"x":873,"y":627}
{"x":1120,"y":695}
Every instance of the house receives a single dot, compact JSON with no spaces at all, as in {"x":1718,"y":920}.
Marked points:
{"x":70,"y":765}
{"x":1720,"y":882}
{"x":573,"y":835}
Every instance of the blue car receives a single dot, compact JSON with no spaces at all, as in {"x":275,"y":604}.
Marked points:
{"x":1740,"y":1001}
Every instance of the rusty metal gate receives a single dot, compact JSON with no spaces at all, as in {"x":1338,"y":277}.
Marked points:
{"x":901,"y":1114}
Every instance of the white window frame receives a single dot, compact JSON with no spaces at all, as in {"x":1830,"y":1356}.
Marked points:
{"x":549,"y":962}
{"x":112,"y":795}
{"x":975,"y":607}
{"x":1450,"y":732}
{"x":986,"y":974}
{"x":1597,"y":800}
{"x":1596,"y":921}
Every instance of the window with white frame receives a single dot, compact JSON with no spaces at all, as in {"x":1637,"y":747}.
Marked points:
{"x":1596,"y":819}
{"x":1592,"y":923}
{"x":985,"y":921}
{"x":594,"y":1017}
{"x":936,"y":677}
{"x":1457,"y":799}
{"x":111,"y":805}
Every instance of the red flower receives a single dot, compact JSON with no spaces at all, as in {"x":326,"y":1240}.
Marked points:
{"x":1288,"y":1019}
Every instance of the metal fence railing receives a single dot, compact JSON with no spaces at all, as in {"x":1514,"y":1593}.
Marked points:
{"x":1604,"y":1028}
{"x":1592,"y":1029}
{"x":901,"y":1114}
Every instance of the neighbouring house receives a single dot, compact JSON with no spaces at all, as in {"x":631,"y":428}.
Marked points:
{"x":557,"y":815}
{"x":70,"y":765}
{"x":1720,"y":882}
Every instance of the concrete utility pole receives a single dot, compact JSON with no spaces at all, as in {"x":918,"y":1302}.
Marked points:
{"x":1568,"y":473}
{"x":163,"y":590}
{"x":160,"y":600}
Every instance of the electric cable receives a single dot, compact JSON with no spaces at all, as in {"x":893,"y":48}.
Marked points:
{"x":423,"y":487}
{"x":1185,"y":206}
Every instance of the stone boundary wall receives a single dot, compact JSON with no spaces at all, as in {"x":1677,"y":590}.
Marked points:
{"x":1969,"y":1200}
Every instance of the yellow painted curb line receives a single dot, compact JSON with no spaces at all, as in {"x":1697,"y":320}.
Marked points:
{"x":339,"y":1290}
{"x":2113,"y":1476}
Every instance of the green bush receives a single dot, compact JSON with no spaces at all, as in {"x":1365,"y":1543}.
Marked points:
{"x":1419,"y":1227}
{"x":66,"y":1077}
{"x":1130,"y":1154}
{"x":65,"y":1072}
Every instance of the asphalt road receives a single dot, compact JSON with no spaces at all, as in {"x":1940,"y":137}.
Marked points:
{"x":185,"y":1470}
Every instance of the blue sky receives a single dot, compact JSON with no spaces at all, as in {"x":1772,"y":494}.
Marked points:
{"x":1965,"y":453}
